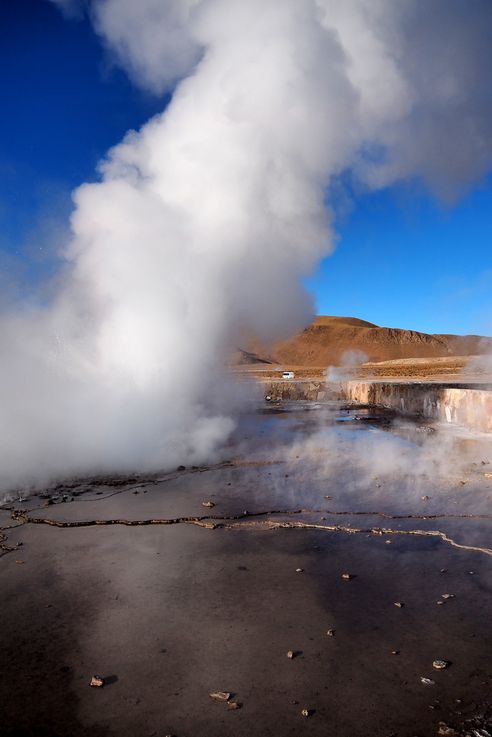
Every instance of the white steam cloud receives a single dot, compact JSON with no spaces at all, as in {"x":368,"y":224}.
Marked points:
{"x":205,"y":219}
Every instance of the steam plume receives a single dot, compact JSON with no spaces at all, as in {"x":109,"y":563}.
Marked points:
{"x":205,"y":219}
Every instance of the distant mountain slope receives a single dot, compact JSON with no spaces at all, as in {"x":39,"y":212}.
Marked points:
{"x":326,"y":341}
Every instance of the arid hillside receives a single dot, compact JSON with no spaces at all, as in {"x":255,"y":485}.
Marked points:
{"x":329,"y":339}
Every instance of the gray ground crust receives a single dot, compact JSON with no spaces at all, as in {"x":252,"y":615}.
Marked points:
{"x":167,"y":613}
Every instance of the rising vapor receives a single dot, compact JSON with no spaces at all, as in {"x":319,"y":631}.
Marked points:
{"x":205,"y":220}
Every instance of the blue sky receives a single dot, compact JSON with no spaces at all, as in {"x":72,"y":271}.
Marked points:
{"x":402,"y":259}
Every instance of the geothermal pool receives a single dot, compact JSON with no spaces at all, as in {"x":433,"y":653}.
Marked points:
{"x":202,"y":580}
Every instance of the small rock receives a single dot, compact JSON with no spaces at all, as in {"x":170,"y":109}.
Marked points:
{"x":306,"y":712}
{"x":291,"y":654}
{"x":220,"y":695}
{"x":441,"y":664}
{"x":447,"y":596}
{"x":233,"y":705}
{"x":427,"y":681}
{"x":425,"y":498}
{"x":208,"y":504}
{"x":444,"y":570}
{"x":399,"y":604}
{"x":97,"y":682}
{"x":446,"y":730}
{"x":347,"y":576}
{"x":395,"y":652}
{"x":181,"y":468}
{"x":388,"y":542}
{"x":439,"y":602}
{"x":299,"y":570}
{"x":330,"y":633}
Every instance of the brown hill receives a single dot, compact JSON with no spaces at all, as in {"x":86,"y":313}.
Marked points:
{"x":327,"y":341}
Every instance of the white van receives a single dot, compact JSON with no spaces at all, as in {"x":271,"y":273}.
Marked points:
{"x":287,"y":374}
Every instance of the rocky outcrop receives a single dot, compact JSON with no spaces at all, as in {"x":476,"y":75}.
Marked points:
{"x":470,"y":406}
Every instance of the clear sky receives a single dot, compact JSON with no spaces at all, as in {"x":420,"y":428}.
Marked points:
{"x":401,"y":260}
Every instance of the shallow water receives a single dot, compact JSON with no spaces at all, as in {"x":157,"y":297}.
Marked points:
{"x":169,"y":599}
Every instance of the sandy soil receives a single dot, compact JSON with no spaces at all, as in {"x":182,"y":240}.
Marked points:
{"x":450,"y":369}
{"x":196,"y":599}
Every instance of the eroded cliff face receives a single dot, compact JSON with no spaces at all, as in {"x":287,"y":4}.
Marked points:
{"x":308,"y":390}
{"x":468,"y":406}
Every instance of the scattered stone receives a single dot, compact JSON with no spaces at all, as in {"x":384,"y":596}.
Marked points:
{"x":330,"y":497}
{"x":441,"y":664}
{"x":445,"y":730}
{"x":291,"y":654}
{"x":208,"y":504}
{"x":348,"y":576}
{"x":488,"y":475}
{"x":306,"y":712}
{"x":330,"y":633}
{"x":447,"y":596}
{"x":395,"y":652}
{"x":427,"y":681}
{"x":220,"y":695}
{"x":462,"y":483}
{"x":439,"y":602}
{"x":388,"y":542}
{"x":181,"y":468}
{"x":299,"y":570}
{"x":233,"y":705}
{"x":399,"y":604}
{"x":96,"y":682}
{"x":444,"y":570}
{"x":425,"y":498}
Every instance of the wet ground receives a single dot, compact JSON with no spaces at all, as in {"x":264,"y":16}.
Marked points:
{"x":202,"y":580}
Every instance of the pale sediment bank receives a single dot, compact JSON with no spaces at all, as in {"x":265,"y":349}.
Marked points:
{"x":464,"y":404}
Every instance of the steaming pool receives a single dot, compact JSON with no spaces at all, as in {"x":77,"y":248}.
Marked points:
{"x":203,"y":579}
